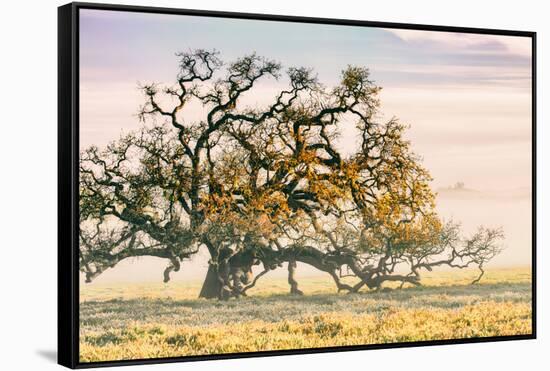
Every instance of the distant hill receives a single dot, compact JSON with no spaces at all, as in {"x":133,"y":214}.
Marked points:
{"x":460,"y":191}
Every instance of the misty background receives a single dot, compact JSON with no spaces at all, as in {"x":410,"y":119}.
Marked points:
{"x":466,"y":97}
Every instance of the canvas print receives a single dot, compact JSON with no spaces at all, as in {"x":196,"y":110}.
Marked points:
{"x":251,"y":185}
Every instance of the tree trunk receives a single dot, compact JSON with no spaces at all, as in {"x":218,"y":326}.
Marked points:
{"x":211,"y":286}
{"x":294,"y":290}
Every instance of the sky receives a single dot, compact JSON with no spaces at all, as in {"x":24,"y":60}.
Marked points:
{"x":466,"y":97}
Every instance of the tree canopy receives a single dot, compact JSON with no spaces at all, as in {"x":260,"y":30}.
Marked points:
{"x":267,"y":185}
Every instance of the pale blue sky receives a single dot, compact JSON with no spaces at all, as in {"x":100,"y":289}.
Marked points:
{"x":120,"y":45}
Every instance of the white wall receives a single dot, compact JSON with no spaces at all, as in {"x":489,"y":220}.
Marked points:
{"x":28,"y":182}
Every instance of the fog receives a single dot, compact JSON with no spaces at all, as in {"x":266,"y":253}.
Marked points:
{"x":466,"y":97}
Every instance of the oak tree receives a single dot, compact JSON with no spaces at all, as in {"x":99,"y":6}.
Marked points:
{"x":268,"y":185}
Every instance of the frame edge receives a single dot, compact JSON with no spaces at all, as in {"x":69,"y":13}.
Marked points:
{"x":66,"y":287}
{"x":298,"y":19}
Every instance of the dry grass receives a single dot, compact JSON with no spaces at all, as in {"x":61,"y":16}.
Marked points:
{"x":156,"y":320}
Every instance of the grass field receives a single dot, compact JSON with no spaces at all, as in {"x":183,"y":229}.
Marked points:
{"x":151,"y":320}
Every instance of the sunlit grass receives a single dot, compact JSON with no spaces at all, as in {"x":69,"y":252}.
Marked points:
{"x":166,"y":320}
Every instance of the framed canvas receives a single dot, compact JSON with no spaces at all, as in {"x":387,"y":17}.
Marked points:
{"x":242,"y":185}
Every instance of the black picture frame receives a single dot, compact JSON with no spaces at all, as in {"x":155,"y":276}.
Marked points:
{"x":68,"y":153}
